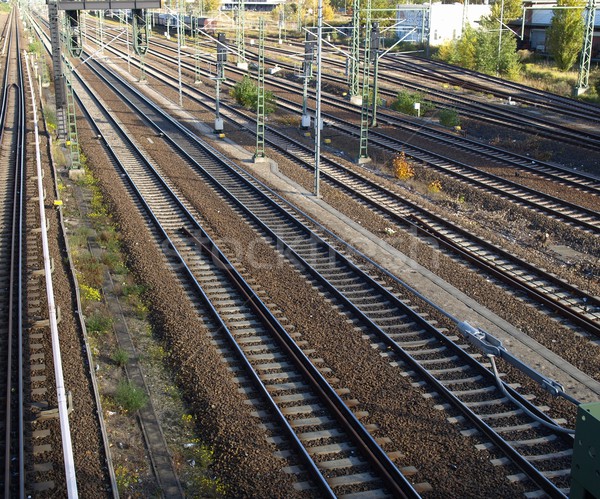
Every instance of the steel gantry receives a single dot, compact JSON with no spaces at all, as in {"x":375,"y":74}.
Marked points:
{"x":141,"y":36}
{"x":73,"y":33}
{"x":74,"y":41}
{"x":59,"y":81}
{"x":140,"y":31}
{"x":586,"y":54}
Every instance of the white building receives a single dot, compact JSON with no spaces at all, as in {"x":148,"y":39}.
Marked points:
{"x":536,"y":21}
{"x":445,"y":20}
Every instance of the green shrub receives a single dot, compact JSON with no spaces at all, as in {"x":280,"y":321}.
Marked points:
{"x":130,"y":397}
{"x":449,"y":117}
{"x":98,"y":323}
{"x":245,"y":93}
{"x":134,"y":290}
{"x":35,"y":47}
{"x":120,"y":357}
{"x":405,"y":103}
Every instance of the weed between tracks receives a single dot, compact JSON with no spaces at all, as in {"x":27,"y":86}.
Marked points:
{"x":120,"y":398}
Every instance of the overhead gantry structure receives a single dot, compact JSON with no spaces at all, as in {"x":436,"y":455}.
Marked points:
{"x":72,"y":10}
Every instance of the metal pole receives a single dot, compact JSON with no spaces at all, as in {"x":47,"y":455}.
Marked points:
{"x":586,"y":53}
{"x":318,"y":103}
{"x":127,"y":41}
{"x":428,"y":30}
{"x":259,"y":155}
{"x":240,"y":29}
{"x":217,"y":99}
{"x":179,"y":54}
{"x":280,"y":24}
{"x":500,"y":38}
{"x":375,"y":68}
{"x":363,"y":155}
{"x":101,"y":22}
{"x":221,"y":58}
{"x":374,"y":55}
{"x":307,"y":74}
{"x":353,"y":68}
{"x":305,"y":117}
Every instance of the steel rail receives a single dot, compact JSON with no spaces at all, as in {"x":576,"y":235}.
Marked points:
{"x":551,"y":171}
{"x":398,"y":484}
{"x":418,"y":65}
{"x":529,"y":95}
{"x":241,"y":181}
{"x":451,"y":167}
{"x":423,"y":227}
{"x":484,"y":111}
{"x":578,"y":180}
{"x":22,"y":160}
{"x":13,"y":453}
{"x":592,"y":183}
{"x":394,"y":479}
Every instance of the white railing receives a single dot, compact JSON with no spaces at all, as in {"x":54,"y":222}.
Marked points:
{"x":63,"y":413}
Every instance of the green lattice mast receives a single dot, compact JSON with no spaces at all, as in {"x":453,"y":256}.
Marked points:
{"x":363,"y":156}
{"x":354,"y":61}
{"x":240,"y":26}
{"x":259,"y":155}
{"x":586,"y":54}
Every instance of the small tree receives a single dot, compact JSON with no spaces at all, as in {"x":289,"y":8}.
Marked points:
{"x":203,"y":6}
{"x":449,"y":117}
{"x":465,"y":49}
{"x":405,"y":103}
{"x":402,"y":168}
{"x":565,"y":34}
{"x":245,"y":92}
{"x":120,"y":357}
{"x":130,"y":397}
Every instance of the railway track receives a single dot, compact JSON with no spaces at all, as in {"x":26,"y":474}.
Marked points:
{"x":469,"y":106}
{"x":430,"y":70}
{"x":37,"y":457}
{"x":578,"y":216}
{"x":419,"y":349}
{"x":479,"y":82}
{"x":496,"y":156}
{"x":337,"y":452}
{"x":11,"y":203}
{"x":581,"y":308}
